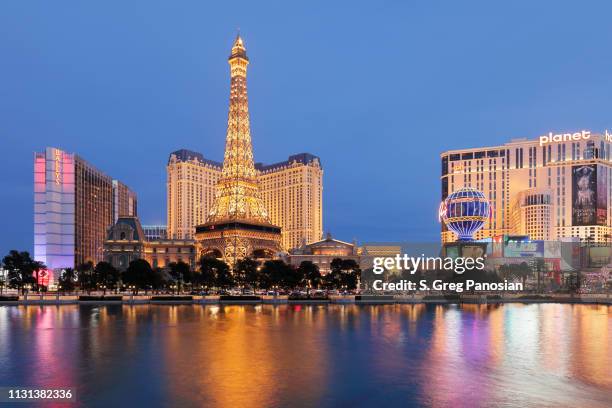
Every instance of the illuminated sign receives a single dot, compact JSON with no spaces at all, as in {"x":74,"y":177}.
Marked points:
{"x":525,"y":249}
{"x":44,"y":277}
{"x":458,"y":168}
{"x":58,"y":159}
{"x":442,"y":211}
{"x":564,"y":137}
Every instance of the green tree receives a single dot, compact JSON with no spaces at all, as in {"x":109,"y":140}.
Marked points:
{"x":246,"y":272}
{"x":106,"y":275}
{"x":87,"y":278}
{"x":67,"y":280}
{"x":521,"y":271}
{"x":276,"y":273}
{"x":311,"y":275}
{"x":333,"y":280}
{"x":181,"y":273}
{"x":368,"y":278}
{"x":22,"y":269}
{"x":208,"y":271}
{"x":540,"y":267}
{"x":293,"y":278}
{"x":344,"y":273}
{"x":158,"y":279}
{"x":350,"y":274}
{"x":224,"y":278}
{"x":138,"y":274}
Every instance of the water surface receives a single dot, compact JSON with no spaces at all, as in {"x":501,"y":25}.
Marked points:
{"x":340,"y":355}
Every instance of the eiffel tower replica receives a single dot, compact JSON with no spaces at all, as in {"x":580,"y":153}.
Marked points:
{"x":238,"y":224}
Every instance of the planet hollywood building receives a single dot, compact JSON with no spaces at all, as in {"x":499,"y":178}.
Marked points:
{"x":552,"y":187}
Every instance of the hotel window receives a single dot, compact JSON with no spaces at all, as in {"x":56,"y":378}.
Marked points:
{"x":550,"y":153}
{"x":589,"y":152}
{"x":563,"y":150}
{"x":516,"y":158}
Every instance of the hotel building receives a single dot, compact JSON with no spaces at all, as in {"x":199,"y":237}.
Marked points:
{"x":124,"y":200}
{"x":292,"y":192}
{"x":323,"y":252}
{"x":127,"y":241}
{"x":74,"y":205}
{"x":553,"y":187}
{"x":190,"y":191}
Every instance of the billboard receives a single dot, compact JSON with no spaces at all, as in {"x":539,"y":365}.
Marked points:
{"x":584,"y":195}
{"x":524,"y":249}
{"x":602,"y":196}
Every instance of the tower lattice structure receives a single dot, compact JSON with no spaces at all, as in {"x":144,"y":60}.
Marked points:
{"x":238,"y":224}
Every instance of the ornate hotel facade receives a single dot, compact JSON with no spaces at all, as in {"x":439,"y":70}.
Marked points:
{"x":557,"y":186}
{"x":127,"y":241}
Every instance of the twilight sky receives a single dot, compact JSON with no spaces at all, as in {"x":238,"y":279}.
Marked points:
{"x":376,"y":89}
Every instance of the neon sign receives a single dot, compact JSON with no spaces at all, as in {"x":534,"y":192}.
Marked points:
{"x":564,"y":137}
{"x":58,"y":174}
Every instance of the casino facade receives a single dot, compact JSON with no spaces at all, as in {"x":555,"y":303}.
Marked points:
{"x":556,"y":186}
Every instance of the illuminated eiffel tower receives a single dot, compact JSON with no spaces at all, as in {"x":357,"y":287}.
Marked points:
{"x":238,"y":225}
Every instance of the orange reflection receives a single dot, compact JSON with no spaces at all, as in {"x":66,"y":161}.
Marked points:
{"x":246,"y":355}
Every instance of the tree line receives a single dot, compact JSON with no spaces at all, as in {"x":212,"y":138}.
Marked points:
{"x":210,"y":273}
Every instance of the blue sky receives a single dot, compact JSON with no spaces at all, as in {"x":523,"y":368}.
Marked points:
{"x":376,"y":89}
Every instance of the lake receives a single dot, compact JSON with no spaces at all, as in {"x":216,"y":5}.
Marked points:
{"x":511,"y":355}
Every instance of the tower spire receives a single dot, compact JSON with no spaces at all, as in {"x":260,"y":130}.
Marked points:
{"x":238,"y":195}
{"x":238,"y":49}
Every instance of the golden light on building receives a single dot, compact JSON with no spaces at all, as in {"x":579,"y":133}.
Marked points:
{"x":290,"y":192}
{"x":238,"y":224}
{"x":190,"y":191}
{"x":552,"y":187}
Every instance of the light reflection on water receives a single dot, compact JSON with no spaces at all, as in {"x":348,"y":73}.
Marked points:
{"x":233,"y":356}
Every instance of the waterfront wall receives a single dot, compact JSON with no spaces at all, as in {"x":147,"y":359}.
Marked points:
{"x":55,"y":299}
